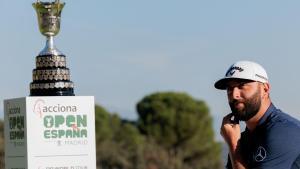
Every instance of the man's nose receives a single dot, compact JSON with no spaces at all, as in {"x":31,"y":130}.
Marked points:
{"x":235,"y":93}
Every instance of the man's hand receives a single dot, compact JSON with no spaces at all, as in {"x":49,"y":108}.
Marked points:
{"x":231,"y":132}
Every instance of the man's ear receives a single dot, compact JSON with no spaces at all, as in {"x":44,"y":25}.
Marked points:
{"x":266,"y":89}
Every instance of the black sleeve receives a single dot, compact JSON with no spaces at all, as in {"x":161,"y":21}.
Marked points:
{"x":228,"y":165}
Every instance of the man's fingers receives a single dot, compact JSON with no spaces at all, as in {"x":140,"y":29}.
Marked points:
{"x":229,"y":118}
{"x":236,"y":120}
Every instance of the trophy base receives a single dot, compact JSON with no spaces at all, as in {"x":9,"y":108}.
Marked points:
{"x":52,"y":92}
{"x":51,"y":77}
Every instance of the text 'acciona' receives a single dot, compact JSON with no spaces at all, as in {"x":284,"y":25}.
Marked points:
{"x":59,"y":108}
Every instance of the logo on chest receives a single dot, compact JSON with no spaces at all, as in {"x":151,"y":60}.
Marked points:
{"x":260,"y":154}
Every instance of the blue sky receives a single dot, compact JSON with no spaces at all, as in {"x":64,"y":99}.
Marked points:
{"x":121,"y":51}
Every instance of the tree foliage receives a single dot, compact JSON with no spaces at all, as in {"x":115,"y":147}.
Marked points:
{"x":119,"y":144}
{"x":2,"y":144}
{"x":183,"y":126}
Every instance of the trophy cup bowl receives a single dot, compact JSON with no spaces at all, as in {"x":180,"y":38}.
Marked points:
{"x":49,"y":16}
{"x":51,"y":76}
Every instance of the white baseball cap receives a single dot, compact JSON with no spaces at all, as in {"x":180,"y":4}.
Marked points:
{"x":243,"y":70}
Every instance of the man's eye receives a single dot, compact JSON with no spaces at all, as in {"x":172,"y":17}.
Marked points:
{"x":241,"y":85}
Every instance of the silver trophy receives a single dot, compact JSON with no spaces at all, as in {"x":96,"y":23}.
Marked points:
{"x":51,"y":76}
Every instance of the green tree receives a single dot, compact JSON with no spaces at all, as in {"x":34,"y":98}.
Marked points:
{"x":119,"y":143}
{"x":157,"y":157}
{"x":1,"y":144}
{"x":183,"y":127}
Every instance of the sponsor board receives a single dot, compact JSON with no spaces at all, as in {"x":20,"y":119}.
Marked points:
{"x":50,"y":132}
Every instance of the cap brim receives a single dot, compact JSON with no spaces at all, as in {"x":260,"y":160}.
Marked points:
{"x":222,"y":83}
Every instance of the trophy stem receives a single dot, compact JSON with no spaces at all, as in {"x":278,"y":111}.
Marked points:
{"x":50,"y":48}
{"x":50,"y":42}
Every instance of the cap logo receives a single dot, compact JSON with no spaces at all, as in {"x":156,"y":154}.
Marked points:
{"x":233,"y":69}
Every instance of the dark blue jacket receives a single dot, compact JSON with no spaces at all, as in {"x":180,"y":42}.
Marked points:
{"x":274,"y":143}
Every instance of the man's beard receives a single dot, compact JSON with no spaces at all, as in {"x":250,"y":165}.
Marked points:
{"x":250,"y":109}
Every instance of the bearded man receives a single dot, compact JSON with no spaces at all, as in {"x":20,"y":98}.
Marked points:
{"x":271,"y":139}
